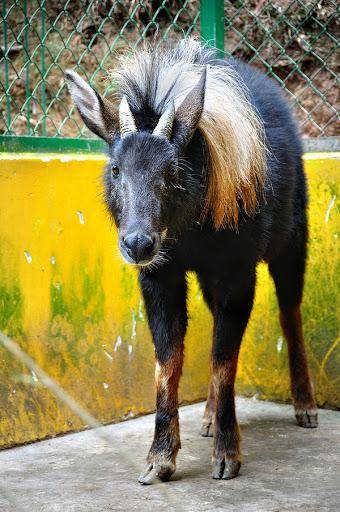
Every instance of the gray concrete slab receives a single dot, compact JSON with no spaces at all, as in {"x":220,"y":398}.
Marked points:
{"x":286,"y":468}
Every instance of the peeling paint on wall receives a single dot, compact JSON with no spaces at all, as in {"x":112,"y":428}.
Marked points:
{"x":70,"y":302}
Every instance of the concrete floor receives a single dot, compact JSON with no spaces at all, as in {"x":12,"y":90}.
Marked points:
{"x":286,"y":468}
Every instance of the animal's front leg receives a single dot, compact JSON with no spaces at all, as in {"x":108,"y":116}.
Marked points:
{"x":161,"y":460}
{"x":165,"y":300}
{"x":230,"y":320}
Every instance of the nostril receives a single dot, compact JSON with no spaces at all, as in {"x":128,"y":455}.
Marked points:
{"x":139,"y":246}
{"x":146,"y":243}
{"x":130,"y":241}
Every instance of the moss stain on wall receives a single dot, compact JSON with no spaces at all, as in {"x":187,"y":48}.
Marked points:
{"x":70,"y":302}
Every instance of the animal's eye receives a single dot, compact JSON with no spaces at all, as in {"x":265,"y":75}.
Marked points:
{"x":114,"y":171}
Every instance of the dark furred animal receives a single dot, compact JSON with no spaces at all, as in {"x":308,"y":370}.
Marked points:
{"x":205,"y":174}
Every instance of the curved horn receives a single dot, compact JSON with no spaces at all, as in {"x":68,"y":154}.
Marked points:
{"x":164,"y":125}
{"x":126,"y":121}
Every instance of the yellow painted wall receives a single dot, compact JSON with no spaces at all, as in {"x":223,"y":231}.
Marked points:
{"x":71,"y":303}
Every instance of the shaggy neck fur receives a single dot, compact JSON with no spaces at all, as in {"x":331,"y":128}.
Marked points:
{"x":231,"y":129}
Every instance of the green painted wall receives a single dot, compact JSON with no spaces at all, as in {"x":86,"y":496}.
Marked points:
{"x":73,"y":305}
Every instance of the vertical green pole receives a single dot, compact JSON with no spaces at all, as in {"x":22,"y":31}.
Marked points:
{"x":212,"y":23}
{"x":43,"y":70}
{"x":27,"y":71}
{"x":8,"y":98}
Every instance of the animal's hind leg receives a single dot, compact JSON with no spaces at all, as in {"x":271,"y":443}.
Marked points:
{"x":288,"y":274}
{"x":209,"y":411}
{"x":301,"y":385}
{"x":207,"y":420}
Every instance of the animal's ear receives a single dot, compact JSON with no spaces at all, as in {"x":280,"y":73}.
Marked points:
{"x":97,"y":112}
{"x":189,"y":112}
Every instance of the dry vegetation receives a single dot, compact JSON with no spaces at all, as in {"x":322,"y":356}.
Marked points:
{"x":88,"y":35}
{"x":297,"y":42}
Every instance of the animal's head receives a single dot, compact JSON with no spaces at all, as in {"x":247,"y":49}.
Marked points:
{"x":146,"y":183}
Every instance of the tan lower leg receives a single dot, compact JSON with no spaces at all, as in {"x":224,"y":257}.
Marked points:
{"x":301,"y":385}
{"x":166,"y":441}
{"x":226,"y":458}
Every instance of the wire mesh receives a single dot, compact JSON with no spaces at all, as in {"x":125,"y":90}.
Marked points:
{"x":294,"y":41}
{"x":40,"y":39}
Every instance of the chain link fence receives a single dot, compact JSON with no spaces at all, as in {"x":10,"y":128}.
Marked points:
{"x":40,"y":39}
{"x":293,"y":41}
{"x":296,"y":42}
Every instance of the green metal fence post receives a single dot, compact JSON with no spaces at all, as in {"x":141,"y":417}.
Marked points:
{"x":212,"y":23}
{"x":27,"y":70}
{"x":6,"y":69}
{"x":43,"y":68}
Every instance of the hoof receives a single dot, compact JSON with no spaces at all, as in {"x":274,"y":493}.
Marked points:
{"x":225,"y":469}
{"x":207,"y":429}
{"x":307,"y":418}
{"x":157,"y":472}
